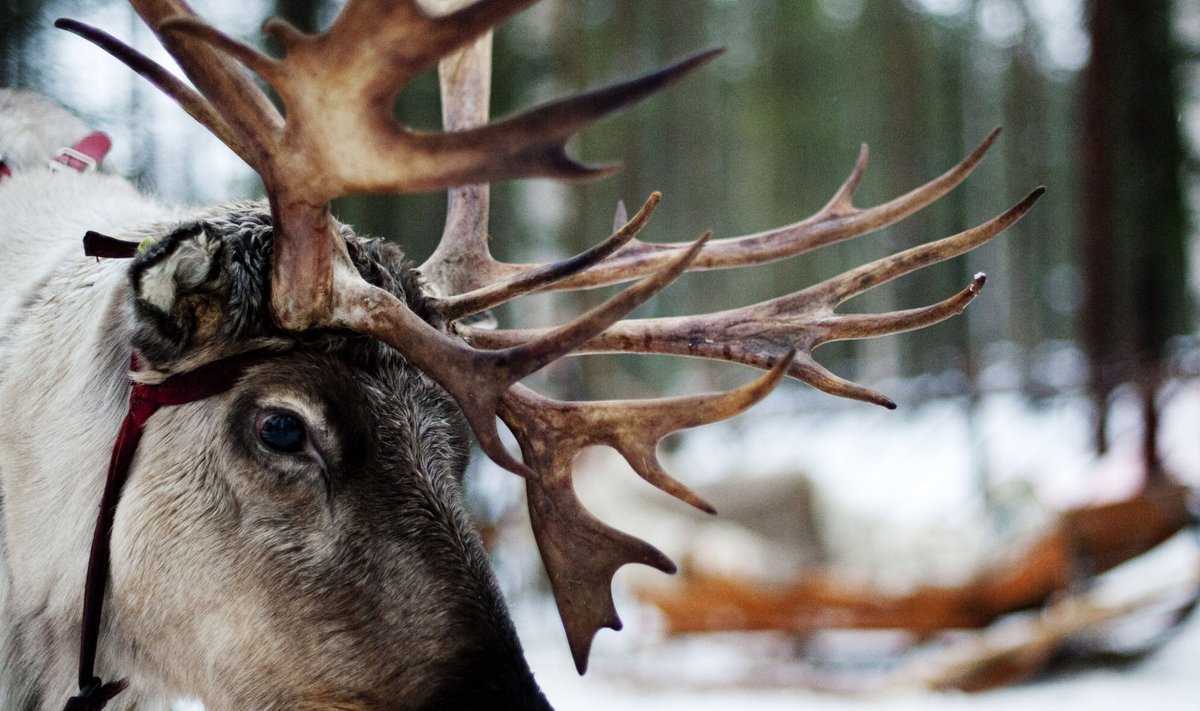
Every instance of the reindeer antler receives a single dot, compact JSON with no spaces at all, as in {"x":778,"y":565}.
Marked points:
{"x":336,"y":136}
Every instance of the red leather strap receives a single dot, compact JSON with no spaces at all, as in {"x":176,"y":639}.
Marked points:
{"x":87,"y":153}
{"x":83,"y":156}
{"x":144,"y":400}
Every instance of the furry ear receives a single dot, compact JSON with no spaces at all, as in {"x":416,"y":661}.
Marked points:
{"x":179,"y":288}
{"x":181,"y":263}
{"x":203,"y":291}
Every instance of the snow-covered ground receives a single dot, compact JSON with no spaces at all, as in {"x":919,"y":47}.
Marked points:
{"x":638,"y":668}
{"x":1169,"y":680}
{"x":899,"y":496}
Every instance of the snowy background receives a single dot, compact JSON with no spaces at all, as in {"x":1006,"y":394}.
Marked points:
{"x":898,"y":493}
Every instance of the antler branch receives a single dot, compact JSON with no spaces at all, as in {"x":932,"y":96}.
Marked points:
{"x":188,"y":99}
{"x":581,"y":554}
{"x":760,"y":334}
{"x":546,"y":276}
{"x":837,"y":221}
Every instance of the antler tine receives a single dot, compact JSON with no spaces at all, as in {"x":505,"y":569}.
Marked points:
{"x":250,"y":57}
{"x":842,"y":202}
{"x":531,"y":144}
{"x":868,"y":276}
{"x":546,"y":275}
{"x":188,"y":99}
{"x":551,"y":433}
{"x":243,"y":106}
{"x":806,"y":369}
{"x":837,"y":221}
{"x":461,"y":260}
{"x":843,"y":327}
{"x":759,"y":334}
{"x":338,"y":88}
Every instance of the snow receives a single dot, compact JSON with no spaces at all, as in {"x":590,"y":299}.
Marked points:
{"x":900,"y":498}
{"x":901,"y":494}
{"x":638,"y":668}
{"x":1169,"y":679}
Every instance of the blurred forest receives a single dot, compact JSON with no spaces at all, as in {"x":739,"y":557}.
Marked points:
{"x":1090,"y":292}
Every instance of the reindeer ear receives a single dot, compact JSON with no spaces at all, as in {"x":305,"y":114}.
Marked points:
{"x":179,"y":286}
{"x":178,"y":264}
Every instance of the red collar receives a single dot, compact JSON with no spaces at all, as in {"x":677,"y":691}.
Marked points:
{"x":144,"y":400}
{"x":84,"y":156}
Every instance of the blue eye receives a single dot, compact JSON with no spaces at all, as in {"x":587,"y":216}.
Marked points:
{"x":283,"y":432}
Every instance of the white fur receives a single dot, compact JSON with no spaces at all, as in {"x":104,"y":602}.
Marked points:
{"x":64,"y":350}
{"x":34,"y":128}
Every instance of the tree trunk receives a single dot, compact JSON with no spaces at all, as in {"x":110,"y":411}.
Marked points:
{"x":1097,"y":105}
{"x":17,"y":28}
{"x":1134,"y":225}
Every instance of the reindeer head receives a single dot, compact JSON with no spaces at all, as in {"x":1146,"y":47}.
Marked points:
{"x":380,"y":373}
{"x":298,"y":541}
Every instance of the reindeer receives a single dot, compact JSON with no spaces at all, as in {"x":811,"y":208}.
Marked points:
{"x":298,"y":400}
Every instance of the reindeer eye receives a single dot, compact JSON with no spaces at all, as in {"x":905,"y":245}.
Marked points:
{"x":282,"y":432}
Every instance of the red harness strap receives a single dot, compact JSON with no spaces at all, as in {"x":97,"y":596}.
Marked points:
{"x":86,"y":154}
{"x":144,"y":400}
{"x":83,"y":156}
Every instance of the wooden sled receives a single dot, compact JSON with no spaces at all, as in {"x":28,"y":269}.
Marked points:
{"x":1051,"y":576}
